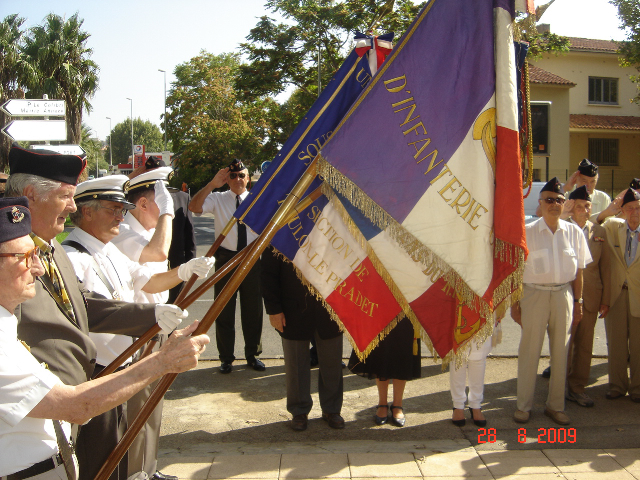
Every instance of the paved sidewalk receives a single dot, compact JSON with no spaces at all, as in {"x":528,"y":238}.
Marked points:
{"x":236,"y":426}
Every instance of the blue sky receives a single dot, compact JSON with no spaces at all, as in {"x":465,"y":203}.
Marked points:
{"x":132,"y":39}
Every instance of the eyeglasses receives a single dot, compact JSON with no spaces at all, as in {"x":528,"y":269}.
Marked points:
{"x":29,"y":256}
{"x":117,"y":212}
{"x":232,"y":176}
{"x":551,"y":200}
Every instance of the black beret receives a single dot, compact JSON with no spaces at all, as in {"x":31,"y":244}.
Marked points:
{"x":587,"y":168}
{"x":154,"y":162}
{"x":553,"y":185}
{"x":236,"y":166}
{"x":15,"y":218}
{"x":47,"y":164}
{"x":630,"y":196}
{"x":635,"y":184}
{"x":580,"y":193}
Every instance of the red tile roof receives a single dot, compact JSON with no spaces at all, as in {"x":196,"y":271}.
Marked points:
{"x":541,"y":76}
{"x":588,"y":44}
{"x":604,"y":122}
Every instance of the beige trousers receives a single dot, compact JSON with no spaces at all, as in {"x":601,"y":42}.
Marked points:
{"x":580,"y":362}
{"x":551,"y":312}
{"x":623,"y":345}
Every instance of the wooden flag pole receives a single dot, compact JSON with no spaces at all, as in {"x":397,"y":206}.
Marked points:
{"x":279,"y":220}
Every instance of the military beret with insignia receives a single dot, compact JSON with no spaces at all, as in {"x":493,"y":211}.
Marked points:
{"x":580,"y":193}
{"x":15,"y":218}
{"x":587,"y":168}
{"x":630,"y":196}
{"x":554,"y":186}
{"x":236,"y":166}
{"x":47,"y":164}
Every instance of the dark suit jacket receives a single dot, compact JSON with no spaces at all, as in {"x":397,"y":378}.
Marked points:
{"x":283,"y":292}
{"x":66,"y":348}
{"x":183,"y":242}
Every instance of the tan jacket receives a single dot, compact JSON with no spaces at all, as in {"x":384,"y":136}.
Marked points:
{"x":596,"y":276}
{"x":617,"y":241}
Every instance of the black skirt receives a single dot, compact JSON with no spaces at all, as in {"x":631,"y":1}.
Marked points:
{"x":392,"y":358}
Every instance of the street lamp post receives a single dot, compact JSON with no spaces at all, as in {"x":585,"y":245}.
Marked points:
{"x":133,"y":156}
{"x":165,"y":108}
{"x":110,"y":148}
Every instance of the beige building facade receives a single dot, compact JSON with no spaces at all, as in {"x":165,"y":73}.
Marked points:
{"x":591,"y":114}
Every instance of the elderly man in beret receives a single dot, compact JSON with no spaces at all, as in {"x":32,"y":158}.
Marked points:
{"x":222,"y":205}
{"x":596,"y":294}
{"x":57,"y":321}
{"x":35,"y":405}
{"x":551,"y":301}
{"x":101,"y":207}
{"x":587,"y":175}
{"x":623,"y":319}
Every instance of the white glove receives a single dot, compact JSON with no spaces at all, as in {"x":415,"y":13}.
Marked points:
{"x":169,"y":317}
{"x":200,"y":266}
{"x":163,"y":199}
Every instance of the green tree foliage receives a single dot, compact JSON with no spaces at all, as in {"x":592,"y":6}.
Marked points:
{"x":93,"y":147}
{"x":61,"y":67}
{"x":629,"y":15}
{"x":540,"y":43}
{"x":208,"y":125}
{"x":144,"y":133}
{"x":12,"y":73}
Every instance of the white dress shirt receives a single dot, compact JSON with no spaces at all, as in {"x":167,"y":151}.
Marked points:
{"x":24,"y":383}
{"x":131,"y":240}
{"x":554,"y":258}
{"x":125,"y":276}
{"x":223,"y":206}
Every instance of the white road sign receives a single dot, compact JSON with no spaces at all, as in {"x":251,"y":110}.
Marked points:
{"x":63,"y":149}
{"x":34,"y":130}
{"x":34,"y":108}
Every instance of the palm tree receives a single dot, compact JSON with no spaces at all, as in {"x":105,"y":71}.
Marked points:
{"x":12,"y":73}
{"x":61,"y":67}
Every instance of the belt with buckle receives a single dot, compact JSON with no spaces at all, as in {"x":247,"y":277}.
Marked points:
{"x":37,"y":469}
{"x":547,"y":287}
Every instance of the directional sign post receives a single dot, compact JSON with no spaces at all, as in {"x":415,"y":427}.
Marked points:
{"x":34,"y":108}
{"x":62,"y":149}
{"x":34,"y":130}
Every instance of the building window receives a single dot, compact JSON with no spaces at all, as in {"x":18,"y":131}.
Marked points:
{"x":604,"y":151}
{"x":603,"y":91}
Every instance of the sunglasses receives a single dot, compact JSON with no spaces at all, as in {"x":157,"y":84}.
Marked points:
{"x":117,"y":212}
{"x":233,"y":176}
{"x":28,"y":256}
{"x":551,"y":200}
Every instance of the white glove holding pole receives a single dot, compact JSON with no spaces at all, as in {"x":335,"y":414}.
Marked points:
{"x":169,"y":317}
{"x":163,"y":199}
{"x":200,"y":266}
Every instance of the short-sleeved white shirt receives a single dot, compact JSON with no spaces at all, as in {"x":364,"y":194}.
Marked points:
{"x":554,"y":258}
{"x":125,"y":276}
{"x":24,"y":383}
{"x":131,"y":240}
{"x":223,"y":205}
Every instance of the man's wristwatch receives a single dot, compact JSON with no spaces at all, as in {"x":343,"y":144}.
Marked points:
{"x":578,"y":300}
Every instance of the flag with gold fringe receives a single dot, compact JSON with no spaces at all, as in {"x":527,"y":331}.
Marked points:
{"x":427,"y":172}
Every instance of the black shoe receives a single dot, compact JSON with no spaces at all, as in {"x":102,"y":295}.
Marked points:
{"x":333,"y":419}
{"x":299,"y":422}
{"x":225,"y":367}
{"x":398,"y":422}
{"x":256,"y":364}
{"x":381,"y":420}
{"x":477,"y":423}
{"x":546,"y":373}
{"x":161,"y":476}
{"x":459,"y":423}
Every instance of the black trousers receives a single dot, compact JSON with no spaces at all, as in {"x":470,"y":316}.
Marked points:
{"x":251,"y":312}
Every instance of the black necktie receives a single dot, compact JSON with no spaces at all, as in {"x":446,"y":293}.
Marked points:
{"x":242,"y":230}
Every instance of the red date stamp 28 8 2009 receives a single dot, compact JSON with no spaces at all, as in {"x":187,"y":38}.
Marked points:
{"x":545,"y":435}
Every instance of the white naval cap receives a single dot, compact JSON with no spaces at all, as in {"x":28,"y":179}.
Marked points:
{"x":149,"y":178}
{"x":104,"y":188}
